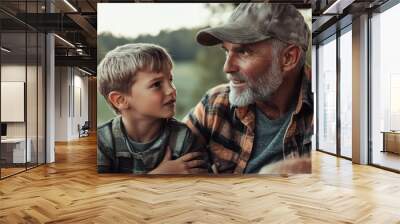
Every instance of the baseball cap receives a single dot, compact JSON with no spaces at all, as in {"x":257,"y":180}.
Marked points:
{"x":253,"y":22}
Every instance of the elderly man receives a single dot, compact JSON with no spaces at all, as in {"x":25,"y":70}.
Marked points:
{"x":265,"y":114}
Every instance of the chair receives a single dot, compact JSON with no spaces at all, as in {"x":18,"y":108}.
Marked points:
{"x":84,"y":130}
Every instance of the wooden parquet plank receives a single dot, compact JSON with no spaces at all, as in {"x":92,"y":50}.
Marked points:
{"x":71,"y":191}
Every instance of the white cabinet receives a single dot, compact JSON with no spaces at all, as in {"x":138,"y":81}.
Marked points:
{"x":17,"y":146}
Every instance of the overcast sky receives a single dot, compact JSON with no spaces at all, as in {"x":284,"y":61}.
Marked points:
{"x":131,"y":20}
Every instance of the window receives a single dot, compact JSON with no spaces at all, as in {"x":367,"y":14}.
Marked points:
{"x":22,"y":66}
{"x":327,"y":96}
{"x":385,"y":87}
{"x":346,"y":93}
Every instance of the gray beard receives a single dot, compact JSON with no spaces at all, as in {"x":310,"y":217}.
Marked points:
{"x":242,"y":98}
{"x":259,"y":89}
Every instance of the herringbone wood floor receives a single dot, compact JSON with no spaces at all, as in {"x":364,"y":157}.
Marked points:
{"x":70,"y":191}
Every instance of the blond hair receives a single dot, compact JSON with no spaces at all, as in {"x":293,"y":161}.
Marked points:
{"x":117,"y":70}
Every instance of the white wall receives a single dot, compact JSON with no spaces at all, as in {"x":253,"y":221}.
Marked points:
{"x":70,"y":83}
{"x":61,"y":103}
{"x":16,"y":73}
{"x":33,"y":126}
{"x":81,"y":81}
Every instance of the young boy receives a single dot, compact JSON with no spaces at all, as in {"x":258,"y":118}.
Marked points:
{"x":136,"y":80}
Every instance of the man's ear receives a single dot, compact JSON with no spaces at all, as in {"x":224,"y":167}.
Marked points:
{"x":290,"y":57}
{"x":118,"y":100}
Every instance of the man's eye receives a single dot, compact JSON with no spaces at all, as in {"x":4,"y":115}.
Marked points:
{"x":243,"y":52}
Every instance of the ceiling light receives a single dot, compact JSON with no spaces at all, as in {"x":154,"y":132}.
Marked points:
{"x":338,"y":6}
{"x":5,"y":50}
{"x":80,"y":51}
{"x":65,"y":41}
{"x":70,"y":5}
{"x":86,"y":72}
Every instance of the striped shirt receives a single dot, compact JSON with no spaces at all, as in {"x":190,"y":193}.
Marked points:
{"x":229,"y":131}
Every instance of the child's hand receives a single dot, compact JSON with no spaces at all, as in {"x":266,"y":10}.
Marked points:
{"x":187,"y":164}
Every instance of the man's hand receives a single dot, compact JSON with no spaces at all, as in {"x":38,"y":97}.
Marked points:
{"x":186,"y":164}
{"x":288,"y":166}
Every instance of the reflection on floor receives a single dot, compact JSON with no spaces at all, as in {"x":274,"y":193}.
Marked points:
{"x":11,"y":169}
{"x":386,"y":159}
{"x":346,"y":152}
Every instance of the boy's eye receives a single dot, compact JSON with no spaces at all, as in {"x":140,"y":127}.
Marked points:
{"x":156,"y":85}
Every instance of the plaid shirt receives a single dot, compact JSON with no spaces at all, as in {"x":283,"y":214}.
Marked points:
{"x":116,"y":155}
{"x":229,"y":130}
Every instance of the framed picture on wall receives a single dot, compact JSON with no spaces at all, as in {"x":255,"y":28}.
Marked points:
{"x":192,"y":89}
